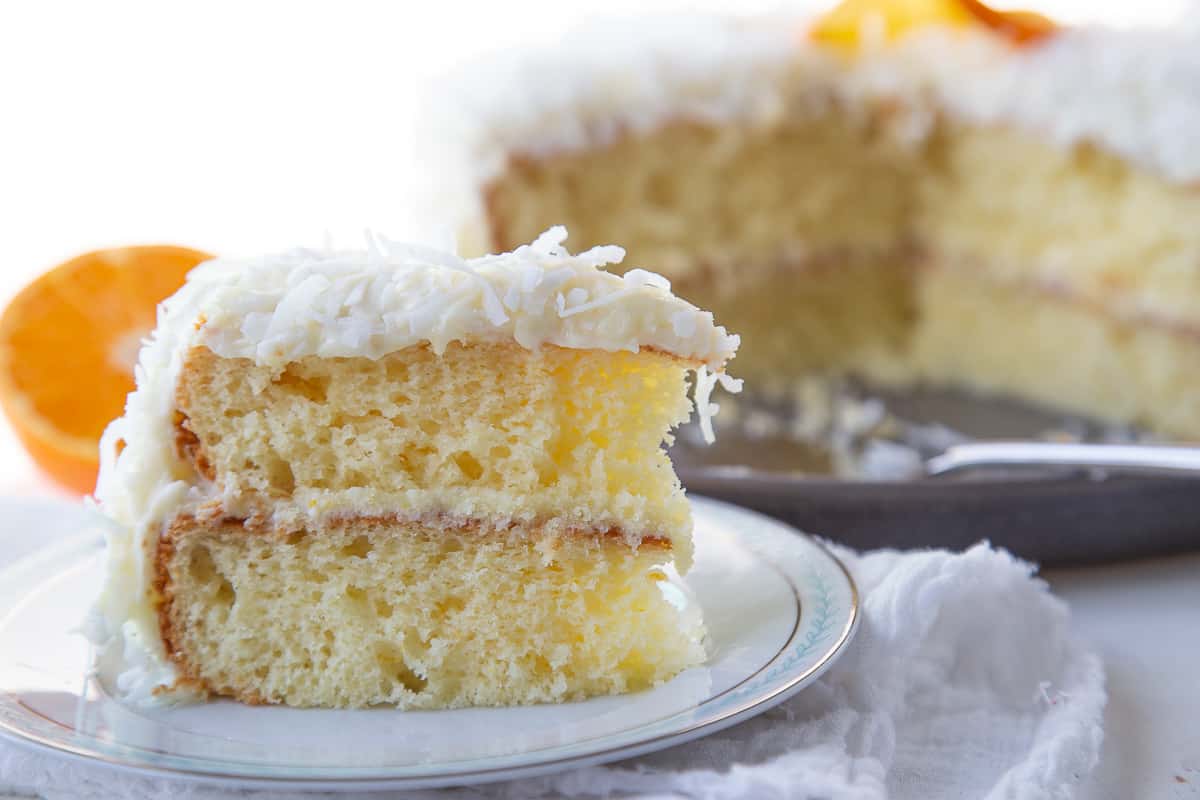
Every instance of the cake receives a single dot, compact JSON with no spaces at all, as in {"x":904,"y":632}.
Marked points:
{"x":926,"y":192}
{"x":398,"y":477}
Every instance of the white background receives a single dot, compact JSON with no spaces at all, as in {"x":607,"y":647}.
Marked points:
{"x":251,"y":126}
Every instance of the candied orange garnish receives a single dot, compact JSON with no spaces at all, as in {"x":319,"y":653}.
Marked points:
{"x":853,"y":21}
{"x":1017,"y":26}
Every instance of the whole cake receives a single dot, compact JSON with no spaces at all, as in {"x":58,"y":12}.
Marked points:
{"x":400,"y":477}
{"x":923,"y":191}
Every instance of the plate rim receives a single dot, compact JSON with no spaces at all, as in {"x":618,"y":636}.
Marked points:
{"x":714,"y":722}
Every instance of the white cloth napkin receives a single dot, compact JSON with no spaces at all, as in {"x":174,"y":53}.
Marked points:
{"x":963,"y":682}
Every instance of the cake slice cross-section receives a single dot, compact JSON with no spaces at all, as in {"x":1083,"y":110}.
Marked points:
{"x":397,"y":477}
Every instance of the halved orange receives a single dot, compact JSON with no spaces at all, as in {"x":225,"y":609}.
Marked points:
{"x":68,"y":344}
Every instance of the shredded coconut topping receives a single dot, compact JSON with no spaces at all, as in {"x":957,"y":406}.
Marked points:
{"x":368,"y":303}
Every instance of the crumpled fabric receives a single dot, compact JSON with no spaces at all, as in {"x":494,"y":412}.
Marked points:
{"x":964,"y":681}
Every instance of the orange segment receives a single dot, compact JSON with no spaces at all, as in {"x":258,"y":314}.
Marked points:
{"x":68,"y":343}
{"x":853,"y":21}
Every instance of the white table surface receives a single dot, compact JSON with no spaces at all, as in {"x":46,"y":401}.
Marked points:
{"x":1144,"y":619}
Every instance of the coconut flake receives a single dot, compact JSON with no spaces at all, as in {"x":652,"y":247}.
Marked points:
{"x":701,"y":396}
{"x":641,"y":277}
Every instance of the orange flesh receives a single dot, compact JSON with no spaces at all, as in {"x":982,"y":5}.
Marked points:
{"x":66,"y":348}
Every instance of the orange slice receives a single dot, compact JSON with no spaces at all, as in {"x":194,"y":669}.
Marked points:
{"x":1020,"y":27}
{"x":68,"y":344}
{"x":851,"y":21}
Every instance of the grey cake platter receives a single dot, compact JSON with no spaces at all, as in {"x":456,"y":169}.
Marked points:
{"x":1053,"y":514}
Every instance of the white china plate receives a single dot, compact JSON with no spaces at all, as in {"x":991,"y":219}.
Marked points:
{"x":779,"y":609}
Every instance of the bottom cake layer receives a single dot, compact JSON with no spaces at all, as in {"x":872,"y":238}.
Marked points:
{"x":951,"y":326}
{"x":360,"y":612}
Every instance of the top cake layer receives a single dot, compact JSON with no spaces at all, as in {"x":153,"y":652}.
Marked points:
{"x":279,"y":309}
{"x":1131,"y":93}
{"x":276,"y":310}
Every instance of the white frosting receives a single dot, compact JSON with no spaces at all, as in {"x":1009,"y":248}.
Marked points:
{"x":1133,"y":93}
{"x":280,"y":308}
{"x":614,"y":77}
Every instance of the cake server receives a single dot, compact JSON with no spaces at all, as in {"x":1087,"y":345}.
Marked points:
{"x":1055,"y":502}
{"x":1111,"y":459}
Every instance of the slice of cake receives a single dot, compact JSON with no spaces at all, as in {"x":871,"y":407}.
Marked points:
{"x":399,"y":477}
{"x":924,"y":191}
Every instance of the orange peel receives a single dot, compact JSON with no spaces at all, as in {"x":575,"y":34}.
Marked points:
{"x":848,"y":23}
